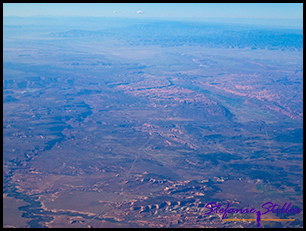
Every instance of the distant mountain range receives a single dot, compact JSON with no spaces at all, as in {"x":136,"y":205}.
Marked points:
{"x":170,"y":33}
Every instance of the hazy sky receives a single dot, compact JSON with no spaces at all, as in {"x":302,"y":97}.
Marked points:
{"x":200,"y":11}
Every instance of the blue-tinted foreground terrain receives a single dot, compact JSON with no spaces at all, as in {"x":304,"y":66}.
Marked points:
{"x":125,"y":123}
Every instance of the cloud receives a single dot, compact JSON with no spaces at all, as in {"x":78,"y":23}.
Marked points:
{"x":139,"y":12}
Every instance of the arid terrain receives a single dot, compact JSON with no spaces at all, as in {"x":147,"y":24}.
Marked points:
{"x":142,"y":126}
